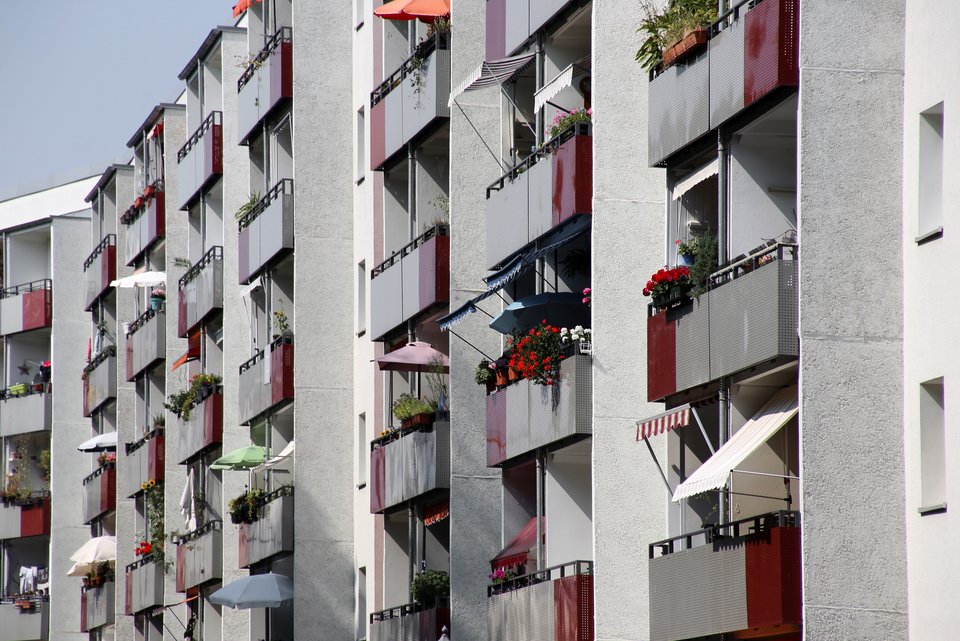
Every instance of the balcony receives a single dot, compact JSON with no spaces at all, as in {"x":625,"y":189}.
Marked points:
{"x":200,"y":556}
{"x":143,"y":462}
{"x":24,"y":619}
{"x":265,"y":83}
{"x":272,"y":533}
{"x":202,"y":430}
{"x":411,"y":622}
{"x":28,"y":517}
{"x":100,"y":269}
{"x":100,"y":492}
{"x":748,"y":319}
{"x":25,"y":413}
{"x":743,"y":576}
{"x":266,"y":231}
{"x":407,"y":464}
{"x":200,"y":160}
{"x":751,"y":52}
{"x":146,"y":342}
{"x":96,"y":606}
{"x":99,"y":381}
{"x":144,"y":224}
{"x":555,"y":604}
{"x":548,"y":188}
{"x":510,"y":23}
{"x":201,"y":291}
{"x":410,"y":100}
{"x":524,"y":416}
{"x":414,"y":279}
{"x":27,"y":306}
{"x":144,"y":585}
{"x":266,"y":381}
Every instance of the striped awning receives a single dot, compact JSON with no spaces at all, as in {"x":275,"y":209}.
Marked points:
{"x":564,"y":80}
{"x":677,"y":417}
{"x":436,"y":513}
{"x":493,"y":72}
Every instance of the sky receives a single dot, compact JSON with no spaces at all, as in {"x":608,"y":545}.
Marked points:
{"x":78,"y":78}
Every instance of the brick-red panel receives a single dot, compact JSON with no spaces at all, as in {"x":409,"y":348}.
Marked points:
{"x":378,"y":134}
{"x":496,"y":39}
{"x":108,"y":490}
{"x":431,"y":623}
{"x":496,"y":428}
{"x":35,"y":519}
{"x":573,"y":608}
{"x":281,"y":373}
{"x":573,"y":178}
{"x":443,"y":268}
{"x":661,"y":357}
{"x":156,"y":454}
{"x":213,"y":419}
{"x":773,"y":578}
{"x":37,"y":309}
{"x":769,"y":48}
{"x":108,"y":267}
{"x":377,"y":480}
{"x":216,"y":149}
{"x":286,"y":70}
{"x":83,"y":612}
{"x":156,"y":218}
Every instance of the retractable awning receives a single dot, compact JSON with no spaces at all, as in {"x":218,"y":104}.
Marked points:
{"x":491,"y":73}
{"x":714,"y":473}
{"x":517,"y":551}
{"x":566,"y":79}
{"x":661,"y":423}
{"x":695,"y":178}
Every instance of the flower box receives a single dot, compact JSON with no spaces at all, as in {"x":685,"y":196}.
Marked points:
{"x":688,"y":45}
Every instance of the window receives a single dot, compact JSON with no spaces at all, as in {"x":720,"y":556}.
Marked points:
{"x":933,"y":463}
{"x":361,"y":145}
{"x":361,"y":298}
{"x":930,"y":180}
{"x":362,"y":450}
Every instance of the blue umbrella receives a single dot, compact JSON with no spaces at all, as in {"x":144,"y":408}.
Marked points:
{"x":255,"y":591}
{"x":561,"y":309}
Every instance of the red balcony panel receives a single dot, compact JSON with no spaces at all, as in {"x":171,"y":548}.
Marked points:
{"x":83,"y":612}
{"x":38,"y":306}
{"x":496,"y":42}
{"x":213,"y":419}
{"x":281,"y":84}
{"x":573,"y":178}
{"x":281,"y":373}
{"x":378,"y":481}
{"x":182,"y":318}
{"x":435,"y":261}
{"x":156,"y":449}
{"x":774,"y":579}
{"x":35,"y":519}
{"x":573,"y":608}
{"x":496,"y":428}
{"x":108,"y":490}
{"x":156,"y":217}
{"x":770,"y":49}
{"x":378,"y":134}
{"x":661,"y":357}
{"x":214,"y":145}
{"x":181,"y":568}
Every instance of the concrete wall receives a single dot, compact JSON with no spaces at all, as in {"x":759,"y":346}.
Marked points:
{"x":851,"y":364}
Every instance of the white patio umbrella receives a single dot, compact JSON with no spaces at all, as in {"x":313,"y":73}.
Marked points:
{"x":143,"y":279}
{"x":255,"y":591}
{"x":100,"y":443}
{"x":96,"y":550}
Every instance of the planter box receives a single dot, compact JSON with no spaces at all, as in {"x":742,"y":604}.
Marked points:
{"x":200,"y":160}
{"x":146,"y":342}
{"x":26,"y":307}
{"x":24,"y":624}
{"x":200,"y":557}
{"x":25,"y":414}
{"x":200,"y":291}
{"x":413,"y":280}
{"x":409,"y":467}
{"x":266,"y":233}
{"x":99,"y":493}
{"x":523,"y":416}
{"x":510,"y":23}
{"x":272,"y":534}
{"x":142,"y":461}
{"x":411,"y":622}
{"x":20,"y":521}
{"x":143,"y":587}
{"x":99,"y":270}
{"x":100,"y":385}
{"x":143,"y":227}
{"x":539,"y":194}
{"x":741,"y":324}
{"x":266,"y":382}
{"x":204,"y":428}
{"x":689,"y":44}
{"x":265,"y":85}
{"x":97,"y":606}
{"x":556,"y":609}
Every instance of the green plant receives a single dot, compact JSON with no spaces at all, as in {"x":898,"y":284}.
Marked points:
{"x":439,"y":25}
{"x":182,"y":262}
{"x":407,"y":406}
{"x":153,"y":506}
{"x":248,"y":206}
{"x":43,"y":464}
{"x":563,"y":121}
{"x":429,"y":585}
{"x":159,"y":421}
{"x":662,"y":28}
{"x":537,"y":354}
{"x":437,"y":384}
{"x":704,"y":247}
{"x":483,"y":374}
{"x":282,"y":324}
{"x":180,"y":403}
{"x":244,"y":508}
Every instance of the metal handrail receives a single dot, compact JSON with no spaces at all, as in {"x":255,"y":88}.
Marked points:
{"x":33,"y":499}
{"x":110,"y":240}
{"x":577,"y":129}
{"x":540,"y":576}
{"x":439,"y":41}
{"x":727,"y":531}
{"x":283,"y":34}
{"x":253,"y":360}
{"x":139,"y":443}
{"x":33,"y":598}
{"x":436,"y":230}
{"x":133,"y":213}
{"x":209,"y":526}
{"x":283,"y":490}
{"x":99,"y":471}
{"x":736,"y":269}
{"x":26,"y":288}
{"x":213,"y":118}
{"x":139,"y":563}
{"x":284,"y":186}
{"x":100,"y":358}
{"x":214,"y":253}
{"x":143,"y":318}
{"x":409,"y":608}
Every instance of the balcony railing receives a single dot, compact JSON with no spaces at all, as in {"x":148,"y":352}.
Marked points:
{"x":411,"y":622}
{"x":747,"y":318}
{"x":265,"y":83}
{"x":25,"y":413}
{"x":524,"y":416}
{"x":200,"y":556}
{"x":202,"y":430}
{"x":144,"y":223}
{"x":516,"y":608}
{"x":752,"y":51}
{"x":414,"y":279}
{"x":511,"y":23}
{"x":266,"y":232}
{"x":143,"y":587}
{"x":143,"y":462}
{"x":201,"y":291}
{"x":272,"y":532}
{"x":410,"y":100}
{"x":549,"y":187}
{"x":100,"y":492}
{"x":728,"y":578}
{"x":408,"y":465}
{"x":200,"y":160}
{"x":146,"y":341}
{"x":27,"y":517}
{"x":100,"y":269}
{"x":27,"y":306}
{"x":266,"y":381}
{"x":99,"y":381}
{"x":25,"y":618}
{"x":97,"y":606}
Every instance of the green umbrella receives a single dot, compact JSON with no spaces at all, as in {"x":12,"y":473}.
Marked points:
{"x":241,"y":459}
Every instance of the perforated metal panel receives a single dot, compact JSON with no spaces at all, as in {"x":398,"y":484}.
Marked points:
{"x":726,"y":73}
{"x":272,"y":533}
{"x":693,"y":344}
{"x":679,"y":107}
{"x":203,"y":559}
{"x":146,"y":587}
{"x":24,"y":624}
{"x":9,"y":521}
{"x":417,"y":463}
{"x":540,"y":183}
{"x":410,"y":275}
{"x":517,"y":24}
{"x":386,"y":300}
{"x":506,"y":210}
{"x":25,"y":414}
{"x":526,"y":614}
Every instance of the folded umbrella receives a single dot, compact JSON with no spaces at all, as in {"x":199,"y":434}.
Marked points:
{"x":100,"y":443}
{"x":243,"y":458}
{"x":255,"y":591}
{"x":414,"y":357}
{"x":560,"y":309}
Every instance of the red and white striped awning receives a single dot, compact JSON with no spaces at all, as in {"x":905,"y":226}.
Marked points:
{"x":677,"y":417}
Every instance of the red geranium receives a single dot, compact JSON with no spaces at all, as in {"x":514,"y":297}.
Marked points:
{"x":665,"y":279}
{"x":537,"y":355}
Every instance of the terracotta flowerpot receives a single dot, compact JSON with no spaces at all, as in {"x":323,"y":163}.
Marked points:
{"x":406,"y":423}
{"x":423,"y":419}
{"x":513,"y":375}
{"x":692,"y":42}
{"x":501,"y":378}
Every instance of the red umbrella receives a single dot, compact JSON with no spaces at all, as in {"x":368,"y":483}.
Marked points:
{"x":414,"y":357}
{"x":425,"y":10}
{"x":242,"y":6}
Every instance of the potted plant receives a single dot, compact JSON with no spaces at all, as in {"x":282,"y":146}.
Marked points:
{"x":157,"y":296}
{"x":579,"y":338}
{"x":686,"y":252}
{"x":430,"y":585}
{"x":282,"y":326}
{"x":669,"y":287}
{"x":245,"y":507}
{"x":674,"y":32}
{"x":562,"y":122}
{"x":484,"y":375}
{"x":537,"y":354}
{"x":412,"y":411}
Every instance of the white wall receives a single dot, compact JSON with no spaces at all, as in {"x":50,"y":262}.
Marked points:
{"x":569,"y":505}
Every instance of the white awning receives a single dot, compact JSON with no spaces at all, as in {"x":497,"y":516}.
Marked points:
{"x":713,"y":474}
{"x":141,"y":279}
{"x":695,"y":178}
{"x":282,"y":460}
{"x":564,"y":80}
{"x":492,"y":72}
